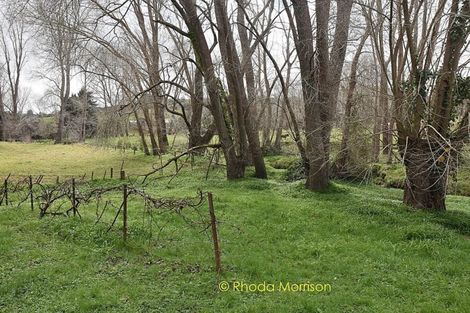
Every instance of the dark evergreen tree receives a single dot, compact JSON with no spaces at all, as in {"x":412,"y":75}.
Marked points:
{"x":80,"y":120}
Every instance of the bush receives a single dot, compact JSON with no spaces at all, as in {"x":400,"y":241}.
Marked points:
{"x":283,"y":162}
{"x":389,"y":175}
{"x":296,"y":171}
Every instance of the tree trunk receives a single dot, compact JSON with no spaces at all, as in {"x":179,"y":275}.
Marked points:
{"x":148,"y":121}
{"x":60,"y":126}
{"x":344,"y":152}
{"x":425,"y":151}
{"x":386,"y":131}
{"x":317,"y":177}
{"x":245,"y":118}
{"x":160,"y":126}
{"x":335,"y":68}
{"x":197,"y":105}
{"x":376,"y":136}
{"x":218,"y":106}
{"x":162,"y":131}
{"x":320,"y":80}
{"x":141,"y":133}
{"x":390,"y":141}
{"x":65,"y":68}
{"x":2,"y":117}
{"x":280,"y":123}
{"x":426,"y":174}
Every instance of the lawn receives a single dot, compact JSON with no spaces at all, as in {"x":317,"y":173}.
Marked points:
{"x":376,"y":254}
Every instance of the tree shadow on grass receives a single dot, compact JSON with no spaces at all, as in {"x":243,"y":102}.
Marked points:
{"x":455,"y":220}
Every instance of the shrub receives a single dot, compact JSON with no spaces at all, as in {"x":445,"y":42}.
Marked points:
{"x":296,"y":171}
{"x":283,"y":162}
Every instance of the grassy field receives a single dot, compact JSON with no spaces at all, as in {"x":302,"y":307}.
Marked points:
{"x":68,"y":160}
{"x":376,"y":254}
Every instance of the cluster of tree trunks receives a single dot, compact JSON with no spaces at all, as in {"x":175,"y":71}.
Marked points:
{"x":234,"y":124}
{"x":425,"y":140}
{"x":320,"y":72}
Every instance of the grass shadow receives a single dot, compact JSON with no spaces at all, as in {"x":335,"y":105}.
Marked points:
{"x":454,"y":220}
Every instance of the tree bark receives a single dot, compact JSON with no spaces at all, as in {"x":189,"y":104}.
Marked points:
{"x":2,"y":116}
{"x":197,"y":105}
{"x":148,"y":121}
{"x":426,"y":174}
{"x":233,"y":71}
{"x":235,"y":167}
{"x":335,"y":68}
{"x":423,"y":142}
{"x":343,"y":159}
{"x":320,"y":80}
{"x":386,"y":121}
{"x":141,"y":133}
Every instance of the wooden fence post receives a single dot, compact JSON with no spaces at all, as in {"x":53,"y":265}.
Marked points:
{"x":111,"y":173}
{"x":31,"y":197}
{"x":124,"y":212}
{"x":5,"y":186}
{"x":92,"y":175}
{"x":73,"y":198}
{"x":176,"y":163}
{"x":123,"y":175}
{"x":215,"y":238}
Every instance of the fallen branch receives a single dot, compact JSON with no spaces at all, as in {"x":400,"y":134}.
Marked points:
{"x":175,"y":158}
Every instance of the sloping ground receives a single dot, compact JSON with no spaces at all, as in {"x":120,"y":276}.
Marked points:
{"x":377,"y":255}
{"x":393,"y":175}
{"x":387,"y":175}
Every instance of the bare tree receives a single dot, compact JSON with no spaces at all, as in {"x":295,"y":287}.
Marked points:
{"x":218,"y":101}
{"x":143,"y":41}
{"x":423,"y":71}
{"x":343,"y":158}
{"x":233,"y":71}
{"x":2,"y":108}
{"x":58,"y":24}
{"x":14,"y":40}
{"x":320,"y":73}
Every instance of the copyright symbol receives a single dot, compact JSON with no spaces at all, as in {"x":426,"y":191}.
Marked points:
{"x":224,"y":286}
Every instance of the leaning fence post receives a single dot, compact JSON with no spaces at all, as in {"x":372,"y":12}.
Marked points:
{"x":5,"y":186}
{"x":215,"y":238}
{"x":73,"y":198}
{"x":31,"y":197}
{"x":176,"y":162}
{"x":124,"y":212}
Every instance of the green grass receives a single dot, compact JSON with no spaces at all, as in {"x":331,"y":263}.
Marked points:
{"x":68,"y":160}
{"x":175,"y":141}
{"x":377,"y":255}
